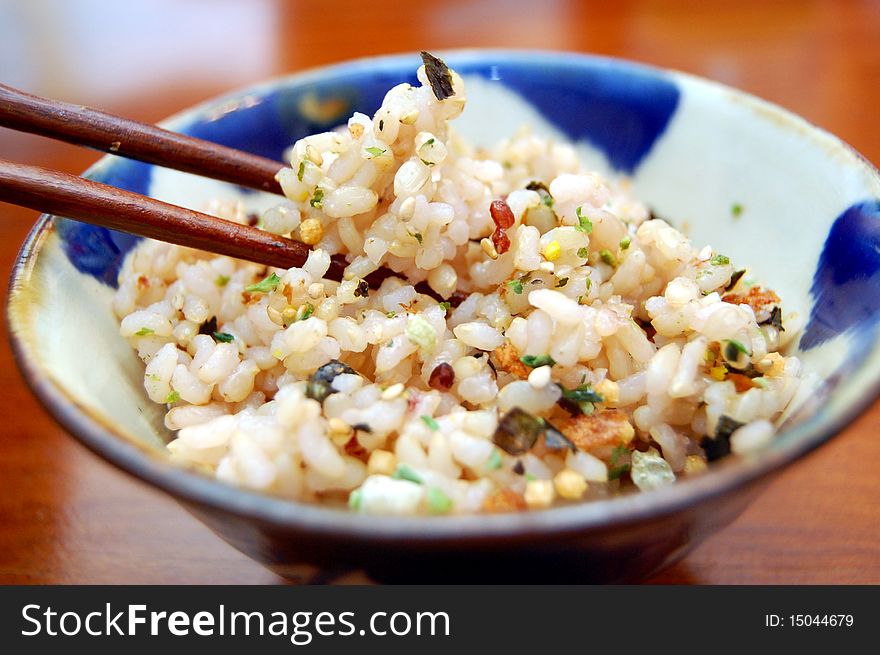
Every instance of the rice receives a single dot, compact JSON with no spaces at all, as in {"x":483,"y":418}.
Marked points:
{"x":561,"y":346}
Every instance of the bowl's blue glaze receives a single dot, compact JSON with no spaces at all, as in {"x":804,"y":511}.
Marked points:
{"x":810,"y":226}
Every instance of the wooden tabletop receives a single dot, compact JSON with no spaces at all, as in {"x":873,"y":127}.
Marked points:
{"x":68,"y":517}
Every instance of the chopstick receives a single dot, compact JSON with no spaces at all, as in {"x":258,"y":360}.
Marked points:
{"x":92,"y":202}
{"x":127,"y":138}
{"x":85,"y":200}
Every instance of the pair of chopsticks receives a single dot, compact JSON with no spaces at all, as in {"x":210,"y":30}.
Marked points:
{"x":84,"y":200}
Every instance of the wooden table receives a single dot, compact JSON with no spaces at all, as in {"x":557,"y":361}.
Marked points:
{"x":67,"y":517}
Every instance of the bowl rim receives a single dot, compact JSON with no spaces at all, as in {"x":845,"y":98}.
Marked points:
{"x":194,"y":488}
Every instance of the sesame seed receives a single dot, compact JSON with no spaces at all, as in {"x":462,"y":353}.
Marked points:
{"x":489,"y":248}
{"x":393,"y":391}
{"x":539,"y":493}
{"x":570,"y":484}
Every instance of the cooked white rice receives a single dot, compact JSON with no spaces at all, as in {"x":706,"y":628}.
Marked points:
{"x":606,"y":324}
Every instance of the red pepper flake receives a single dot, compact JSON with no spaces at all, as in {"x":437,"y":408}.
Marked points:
{"x":354,"y":449}
{"x":741,"y":382}
{"x":504,"y":500}
{"x":501,"y":213}
{"x":456,"y":298}
{"x":501,"y":241}
{"x":442,"y":377}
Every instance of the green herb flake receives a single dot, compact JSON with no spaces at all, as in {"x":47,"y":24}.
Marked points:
{"x":430,"y":422}
{"x":266,"y":285}
{"x":420,"y":332}
{"x":608,"y":257}
{"x":355,"y":498}
{"x":562,"y":282}
{"x":301,"y":171}
{"x":720,"y":260}
{"x":534,"y":361}
{"x":224,"y":337}
{"x":516,"y":286}
{"x":438,"y":502}
{"x":615,"y":471}
{"x":732,"y":349}
{"x":736,"y":210}
{"x":582,"y":398}
{"x":625,"y":242}
{"x":585,"y":225}
{"x":404,"y":472}
{"x":547,"y":200}
{"x":221,"y":280}
{"x":391,"y":314}
{"x":494,"y":462}
{"x":583,"y":253}
{"x":144,"y":331}
{"x":418,"y":237}
{"x":375,"y":152}
{"x":307,"y":310}
{"x":530,"y":477}
{"x":317,"y":197}
{"x":172,"y":397}
{"x":426,"y":162}
{"x":446,"y":305}
{"x":589,"y":284}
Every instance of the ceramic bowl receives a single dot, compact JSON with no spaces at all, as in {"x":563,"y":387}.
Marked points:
{"x":809,"y":225}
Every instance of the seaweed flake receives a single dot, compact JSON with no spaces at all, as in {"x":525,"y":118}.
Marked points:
{"x":775,"y":319}
{"x":438,"y":75}
{"x":555,"y":440}
{"x":735,"y":278}
{"x":536,"y":185}
{"x":362,"y":290}
{"x":517,"y":432}
{"x":209,"y":327}
{"x":719,"y":446}
{"x":320,"y":383}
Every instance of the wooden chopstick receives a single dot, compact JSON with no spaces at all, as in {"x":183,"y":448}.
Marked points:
{"x":127,"y":138}
{"x":92,"y":202}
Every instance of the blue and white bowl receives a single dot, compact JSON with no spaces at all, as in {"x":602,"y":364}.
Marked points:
{"x":809,"y":225}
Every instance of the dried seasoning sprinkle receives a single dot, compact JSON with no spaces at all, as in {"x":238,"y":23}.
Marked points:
{"x":438,"y":75}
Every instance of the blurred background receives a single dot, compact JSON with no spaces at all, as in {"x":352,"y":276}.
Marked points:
{"x":67,"y":517}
